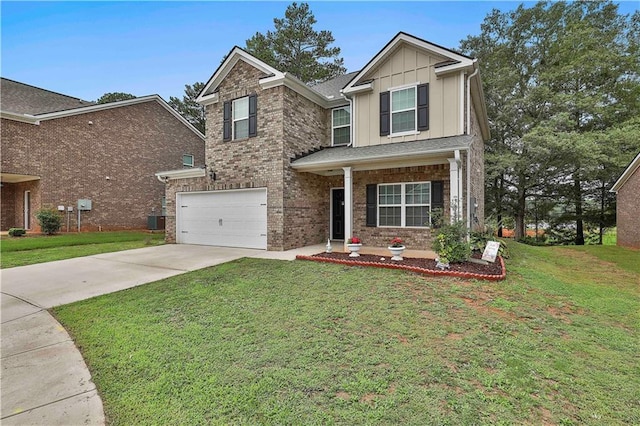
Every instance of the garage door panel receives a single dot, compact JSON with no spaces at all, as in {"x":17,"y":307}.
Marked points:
{"x":223,"y":218}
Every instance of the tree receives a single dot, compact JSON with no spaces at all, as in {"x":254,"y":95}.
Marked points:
{"x":114,"y":97}
{"x":559,"y":77}
{"x":192,"y":111}
{"x":295,"y":47}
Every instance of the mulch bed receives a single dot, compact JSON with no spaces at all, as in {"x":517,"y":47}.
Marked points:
{"x":493,"y":271}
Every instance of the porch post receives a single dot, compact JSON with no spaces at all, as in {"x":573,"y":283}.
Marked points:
{"x":348,"y":206}
{"x":455,"y":199}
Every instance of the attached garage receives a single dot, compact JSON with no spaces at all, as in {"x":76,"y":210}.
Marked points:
{"x":222,"y":218}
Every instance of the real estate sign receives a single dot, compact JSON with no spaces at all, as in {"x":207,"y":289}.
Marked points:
{"x":491,"y":251}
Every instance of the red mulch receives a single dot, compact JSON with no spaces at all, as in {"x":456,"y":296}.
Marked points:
{"x":493,"y":271}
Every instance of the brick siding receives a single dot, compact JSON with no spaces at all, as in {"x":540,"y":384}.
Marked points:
{"x":73,"y":159}
{"x":628,"y":216}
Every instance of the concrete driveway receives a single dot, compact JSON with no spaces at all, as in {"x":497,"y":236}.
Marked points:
{"x":44,"y":379}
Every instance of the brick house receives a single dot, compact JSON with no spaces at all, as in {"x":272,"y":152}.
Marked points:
{"x":374,"y":153}
{"x":627,"y":190}
{"x":57,"y":150}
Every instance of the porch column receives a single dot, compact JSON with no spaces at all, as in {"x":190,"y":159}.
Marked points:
{"x":455,"y":191}
{"x":348,"y":206}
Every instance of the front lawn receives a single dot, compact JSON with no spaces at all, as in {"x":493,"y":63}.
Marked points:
{"x":32,"y":249}
{"x":275,"y":342}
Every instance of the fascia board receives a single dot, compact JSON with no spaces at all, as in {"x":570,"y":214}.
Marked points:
{"x":182,"y":174}
{"x":223,"y":70}
{"x":629,"y":171}
{"x":297,"y":86}
{"x":209,"y":99}
{"x":393,"y":160}
{"x":120,"y":104}
{"x":479,"y":104}
{"x":23,"y":118}
{"x":361,"y":88}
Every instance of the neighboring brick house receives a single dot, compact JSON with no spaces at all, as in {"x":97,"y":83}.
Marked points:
{"x":372,"y":153}
{"x":57,"y":150}
{"x":627,"y":190}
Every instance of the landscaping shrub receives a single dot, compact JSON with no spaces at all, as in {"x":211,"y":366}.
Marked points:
{"x":50,"y":221}
{"x":451,"y":243}
{"x":17,"y":232}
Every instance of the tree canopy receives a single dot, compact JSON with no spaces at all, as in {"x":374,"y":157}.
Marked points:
{"x":297,"y":48}
{"x":192,"y":111}
{"x":561,"y":80}
{"x":114,"y":97}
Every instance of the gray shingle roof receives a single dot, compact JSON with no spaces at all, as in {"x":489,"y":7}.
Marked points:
{"x":332,"y":87}
{"x":22,"y":98}
{"x":338,"y":156}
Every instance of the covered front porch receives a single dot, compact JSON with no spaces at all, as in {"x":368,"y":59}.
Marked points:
{"x":425,"y":175}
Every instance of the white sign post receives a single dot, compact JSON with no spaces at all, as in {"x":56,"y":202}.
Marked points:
{"x":491,"y":251}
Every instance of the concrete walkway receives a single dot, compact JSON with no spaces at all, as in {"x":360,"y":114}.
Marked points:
{"x":44,"y":380}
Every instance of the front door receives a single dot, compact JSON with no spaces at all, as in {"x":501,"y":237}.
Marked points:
{"x":337,"y":214}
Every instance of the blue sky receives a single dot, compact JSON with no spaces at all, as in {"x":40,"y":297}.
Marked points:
{"x":85,"y":49}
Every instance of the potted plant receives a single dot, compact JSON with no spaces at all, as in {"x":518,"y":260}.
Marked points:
{"x":354,"y":244}
{"x":396,"y":248}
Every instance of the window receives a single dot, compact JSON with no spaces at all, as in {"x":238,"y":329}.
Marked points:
{"x":187,"y":160}
{"x":341,"y":126}
{"x":240,"y":110}
{"x":240,"y":118}
{"x":403,"y":110}
{"x":404,"y":204}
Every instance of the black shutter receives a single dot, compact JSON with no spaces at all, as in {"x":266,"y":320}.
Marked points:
{"x":423,"y":107}
{"x":226,"y":122}
{"x":372,"y":205}
{"x":253,"y":113}
{"x":385,"y":113}
{"x":437,"y":200}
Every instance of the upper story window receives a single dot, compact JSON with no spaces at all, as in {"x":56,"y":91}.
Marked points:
{"x":240,"y":118}
{"x":187,"y":160}
{"x":404,"y":110}
{"x":341,"y":126}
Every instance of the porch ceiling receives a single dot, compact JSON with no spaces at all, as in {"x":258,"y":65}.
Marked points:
{"x":16,"y":178}
{"x":330,"y":161}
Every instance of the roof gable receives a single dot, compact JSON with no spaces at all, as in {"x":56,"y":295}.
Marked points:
{"x":208,"y":93}
{"x":453,"y":61}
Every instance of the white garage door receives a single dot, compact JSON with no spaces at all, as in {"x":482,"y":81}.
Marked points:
{"x":223,"y":218}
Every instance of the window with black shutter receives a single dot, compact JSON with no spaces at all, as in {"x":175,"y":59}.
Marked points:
{"x":240,"y":118}
{"x":423,"y":107}
{"x":372,"y":205}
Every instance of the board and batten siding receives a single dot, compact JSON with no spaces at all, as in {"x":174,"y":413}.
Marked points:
{"x":409,"y":65}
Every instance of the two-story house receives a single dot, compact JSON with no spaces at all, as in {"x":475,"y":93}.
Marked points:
{"x":96,"y":163}
{"x":377,"y":153}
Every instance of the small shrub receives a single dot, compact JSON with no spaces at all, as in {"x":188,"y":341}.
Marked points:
{"x":50,"y":221}
{"x":451,"y":243}
{"x":17,"y":232}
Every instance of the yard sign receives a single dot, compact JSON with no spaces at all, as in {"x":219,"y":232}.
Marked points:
{"x":491,"y":251}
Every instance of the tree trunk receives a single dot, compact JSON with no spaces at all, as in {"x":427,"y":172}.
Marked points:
{"x":602,"y":195}
{"x":577,"y":194}
{"x":499,"y":194}
{"x":520,"y":213}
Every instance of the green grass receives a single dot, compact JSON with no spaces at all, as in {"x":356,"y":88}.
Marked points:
{"x":610,"y":237}
{"x":274,"y":342}
{"x":33,"y":249}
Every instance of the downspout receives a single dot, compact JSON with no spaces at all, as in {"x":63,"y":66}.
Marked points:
{"x":352,"y":108}
{"x":468,"y":132}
